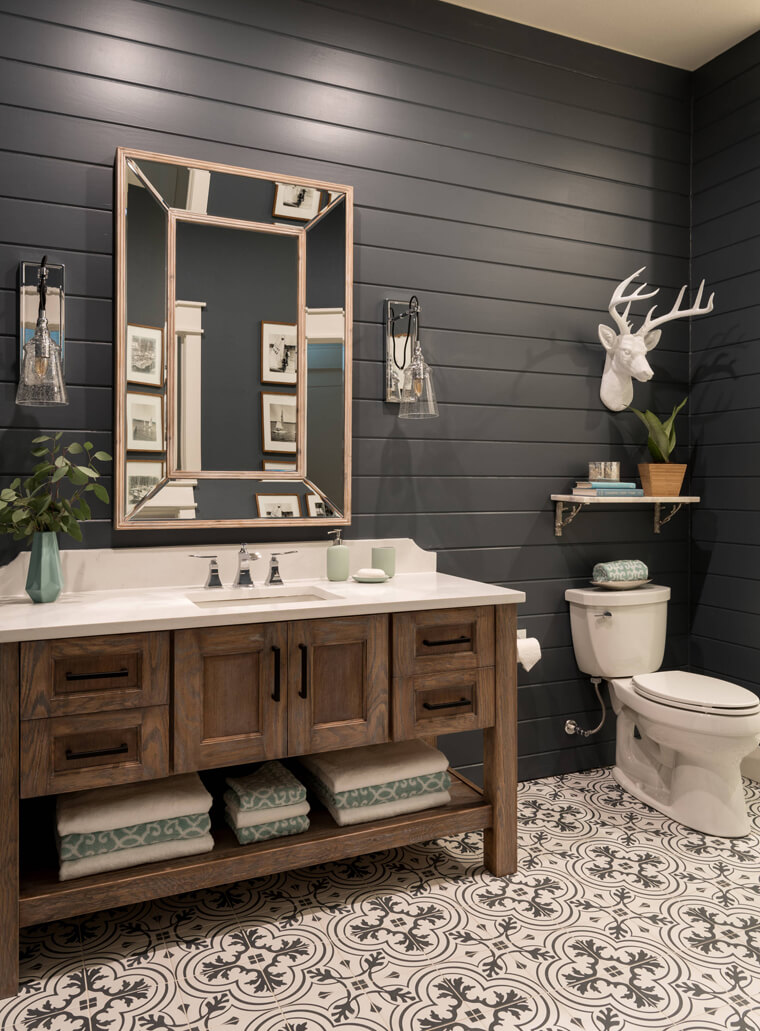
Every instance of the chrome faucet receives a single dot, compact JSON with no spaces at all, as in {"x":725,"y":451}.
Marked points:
{"x":273,"y":576}
{"x":243,"y":577}
{"x":212,"y":580}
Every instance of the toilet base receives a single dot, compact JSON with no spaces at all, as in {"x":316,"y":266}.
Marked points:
{"x":701,"y":813}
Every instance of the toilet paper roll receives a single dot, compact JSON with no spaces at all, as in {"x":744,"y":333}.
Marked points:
{"x":528,"y":652}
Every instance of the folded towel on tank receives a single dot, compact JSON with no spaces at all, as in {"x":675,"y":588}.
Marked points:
{"x":104,"y":809}
{"x":128,"y":857}
{"x":381,"y":810}
{"x":265,"y":831}
{"x":268,"y":787}
{"x":178,"y":828}
{"x":621,"y":569}
{"x":350,"y":769}
{"x":238,"y":817}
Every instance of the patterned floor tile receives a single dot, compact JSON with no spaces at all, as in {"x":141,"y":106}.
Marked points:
{"x":617,"y":919}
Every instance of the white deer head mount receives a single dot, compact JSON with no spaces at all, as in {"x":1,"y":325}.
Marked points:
{"x":627,"y":351}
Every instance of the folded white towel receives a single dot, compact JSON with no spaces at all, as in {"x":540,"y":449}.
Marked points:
{"x":366,"y":813}
{"x":349,"y":768}
{"x":127,"y":857}
{"x":107,"y":809}
{"x":254,"y":817}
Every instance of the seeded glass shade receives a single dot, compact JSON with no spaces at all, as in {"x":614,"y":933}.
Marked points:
{"x":417,"y":394}
{"x":41,"y":381}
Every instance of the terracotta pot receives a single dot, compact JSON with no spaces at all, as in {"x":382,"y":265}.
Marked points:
{"x":662,"y":479}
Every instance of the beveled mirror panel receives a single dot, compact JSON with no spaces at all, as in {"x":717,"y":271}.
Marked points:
{"x":233,"y":346}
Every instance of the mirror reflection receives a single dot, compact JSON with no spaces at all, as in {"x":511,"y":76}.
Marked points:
{"x":233,"y":339}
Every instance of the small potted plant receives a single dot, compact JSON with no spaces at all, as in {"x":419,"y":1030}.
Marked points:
{"x":661,"y":478}
{"x":38,"y":507}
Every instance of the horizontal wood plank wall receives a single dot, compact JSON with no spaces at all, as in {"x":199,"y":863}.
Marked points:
{"x":508,"y":176}
{"x":725,"y":630}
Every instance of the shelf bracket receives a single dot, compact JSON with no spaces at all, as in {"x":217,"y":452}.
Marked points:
{"x":559,"y":522}
{"x":658,"y":519}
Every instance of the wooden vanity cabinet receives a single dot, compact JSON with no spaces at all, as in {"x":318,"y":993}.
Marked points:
{"x":240,"y":694}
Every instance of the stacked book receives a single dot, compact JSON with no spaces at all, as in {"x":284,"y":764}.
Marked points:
{"x":607,"y":489}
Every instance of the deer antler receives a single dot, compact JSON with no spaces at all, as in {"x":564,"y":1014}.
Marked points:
{"x":619,"y":297}
{"x":676,"y":312}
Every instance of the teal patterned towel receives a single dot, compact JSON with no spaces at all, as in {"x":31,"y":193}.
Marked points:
{"x":179,"y":828}
{"x":623,"y":569}
{"x":269,"y":786}
{"x":409,"y":787}
{"x":264,"y":831}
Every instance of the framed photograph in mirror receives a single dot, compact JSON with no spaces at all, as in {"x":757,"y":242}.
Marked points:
{"x":142,"y":477}
{"x":279,"y":421}
{"x":293,"y":200}
{"x":316,"y":506}
{"x":145,"y":421}
{"x":145,"y":355}
{"x":278,"y":467}
{"x":278,"y":506}
{"x":279,"y":352}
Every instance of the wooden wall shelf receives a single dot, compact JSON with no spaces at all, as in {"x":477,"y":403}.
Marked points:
{"x":579,"y":501}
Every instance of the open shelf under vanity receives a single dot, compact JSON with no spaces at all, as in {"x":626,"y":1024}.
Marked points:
{"x":43,"y":897}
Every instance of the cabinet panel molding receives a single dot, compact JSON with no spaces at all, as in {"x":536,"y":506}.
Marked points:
{"x":72,"y":676}
{"x":69,"y":753}
{"x":229,"y":695}
{"x":338,"y":685}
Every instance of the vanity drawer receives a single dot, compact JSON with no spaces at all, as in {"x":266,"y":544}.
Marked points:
{"x":442,"y":640}
{"x":67,"y":753}
{"x":442,"y":703}
{"x":94,"y":674}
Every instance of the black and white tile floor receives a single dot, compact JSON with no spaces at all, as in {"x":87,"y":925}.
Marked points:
{"x":617,"y":919}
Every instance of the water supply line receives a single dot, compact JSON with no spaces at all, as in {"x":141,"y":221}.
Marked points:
{"x":571,"y":727}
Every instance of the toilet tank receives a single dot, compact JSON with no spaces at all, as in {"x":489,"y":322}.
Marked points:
{"x":618,"y":633}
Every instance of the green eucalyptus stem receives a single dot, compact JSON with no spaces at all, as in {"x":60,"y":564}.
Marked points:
{"x":38,"y":505}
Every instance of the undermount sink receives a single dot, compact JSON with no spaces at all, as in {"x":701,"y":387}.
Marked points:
{"x":216,"y":597}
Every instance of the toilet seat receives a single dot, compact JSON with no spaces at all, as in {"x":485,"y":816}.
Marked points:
{"x":696,"y":693}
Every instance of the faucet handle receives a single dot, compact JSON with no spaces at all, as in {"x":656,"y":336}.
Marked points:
{"x":276,"y":554}
{"x":213,"y":579}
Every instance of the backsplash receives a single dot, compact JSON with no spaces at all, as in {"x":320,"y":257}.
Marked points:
{"x":521,"y":177}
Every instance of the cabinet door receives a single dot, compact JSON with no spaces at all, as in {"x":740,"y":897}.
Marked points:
{"x":337,"y":683}
{"x":229,"y":695}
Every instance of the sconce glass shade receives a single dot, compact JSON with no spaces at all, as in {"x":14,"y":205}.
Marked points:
{"x":41,"y":380}
{"x":417,"y":394}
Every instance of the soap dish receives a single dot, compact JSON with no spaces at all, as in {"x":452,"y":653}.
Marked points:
{"x":371,"y":576}
{"x":619,"y":585}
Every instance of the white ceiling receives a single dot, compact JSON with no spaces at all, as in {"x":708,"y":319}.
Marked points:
{"x":682,"y":33}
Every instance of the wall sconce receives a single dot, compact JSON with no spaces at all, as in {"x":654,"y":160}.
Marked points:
{"x":41,"y":336}
{"x":408,"y":378}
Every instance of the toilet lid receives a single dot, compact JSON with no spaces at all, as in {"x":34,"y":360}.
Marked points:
{"x":697,"y":693}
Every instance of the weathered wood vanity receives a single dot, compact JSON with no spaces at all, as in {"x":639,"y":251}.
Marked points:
{"x":82,"y":709}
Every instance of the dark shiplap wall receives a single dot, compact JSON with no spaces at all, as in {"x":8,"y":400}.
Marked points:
{"x":726,"y":367}
{"x":507,"y":176}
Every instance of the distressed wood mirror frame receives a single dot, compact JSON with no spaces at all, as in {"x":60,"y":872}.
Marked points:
{"x":154,"y":486}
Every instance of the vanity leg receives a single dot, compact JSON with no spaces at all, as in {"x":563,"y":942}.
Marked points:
{"x":9,"y":788}
{"x":500,"y":749}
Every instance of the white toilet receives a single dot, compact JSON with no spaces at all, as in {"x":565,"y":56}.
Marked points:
{"x":681,"y":737}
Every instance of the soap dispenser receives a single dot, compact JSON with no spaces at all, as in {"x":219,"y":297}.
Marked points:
{"x":337,"y":558}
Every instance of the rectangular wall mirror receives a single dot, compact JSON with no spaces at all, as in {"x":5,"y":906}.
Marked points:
{"x":233,"y":346}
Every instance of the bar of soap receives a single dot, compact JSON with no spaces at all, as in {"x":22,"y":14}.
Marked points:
{"x":369,"y":573}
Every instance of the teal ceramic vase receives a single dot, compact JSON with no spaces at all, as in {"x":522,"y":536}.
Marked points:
{"x":44,"y":581}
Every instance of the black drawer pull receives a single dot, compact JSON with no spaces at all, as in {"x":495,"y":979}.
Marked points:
{"x":455,"y":640}
{"x":119,"y":750}
{"x":108,"y":675}
{"x":304,"y":690}
{"x":276,"y":692}
{"x":446,"y":705}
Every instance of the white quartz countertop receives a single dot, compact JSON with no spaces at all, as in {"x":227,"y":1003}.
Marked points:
{"x":88,"y":613}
